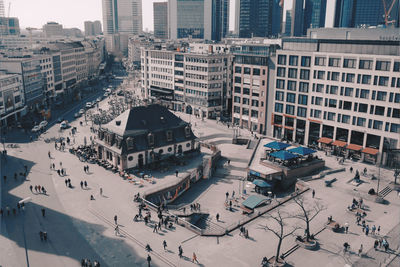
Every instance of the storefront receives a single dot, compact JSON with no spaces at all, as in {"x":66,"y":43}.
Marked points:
{"x":370,"y":154}
{"x":325,"y":143}
{"x":339,"y":148}
{"x":354,"y":151}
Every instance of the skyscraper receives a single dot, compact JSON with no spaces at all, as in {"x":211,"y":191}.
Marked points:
{"x":297,"y":18}
{"x":199,"y":19}
{"x":288,"y":22}
{"x":122,"y":16}
{"x":314,"y":14}
{"x":2,"y":12}
{"x":92,"y":28}
{"x":259,"y":18}
{"x":364,"y":13}
{"x":160,"y":11}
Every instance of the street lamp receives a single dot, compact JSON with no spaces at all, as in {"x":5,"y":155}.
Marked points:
{"x":22,"y":203}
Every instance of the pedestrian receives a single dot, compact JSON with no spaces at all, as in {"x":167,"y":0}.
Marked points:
{"x":148,"y":259}
{"x":84,"y":168}
{"x":87,"y":168}
{"x":373,"y":229}
{"x":176,"y":173}
{"x":180,"y":251}
{"x":380,"y":242}
{"x":48,"y":153}
{"x":54,"y":166}
{"x":43,"y":212}
{"x":62,"y":172}
{"x":194,"y":258}
{"x":164,"y":244}
{"x":155,"y":229}
{"x":91,"y":197}
{"x":367,"y":230}
{"x":360,"y":250}
{"x":226,"y":195}
{"x":85,"y":183}
{"x":379,"y":229}
{"x":39,"y":188}
{"x":376,"y":244}
{"x":116,"y":230}
{"x":313,"y":193}
{"x":217,"y":217}
{"x":351,"y":169}
{"x":159,"y":225}
{"x":229,"y":161}
{"x":58,"y":172}
{"x":31,"y":187}
{"x":60,"y":164}
{"x":233,"y":193}
{"x":101,"y":191}
{"x":346,"y":227}
{"x":41,"y":235}
{"x":81,"y":184}
{"x":115,"y":219}
{"x":66,"y":182}
{"x":148,"y":248}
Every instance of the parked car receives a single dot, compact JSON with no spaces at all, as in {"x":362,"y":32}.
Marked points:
{"x":81,"y":111}
{"x":64,"y":125}
{"x":98,"y":99}
{"x":88,"y":105}
{"x":43,"y":124}
{"x":35,"y":129}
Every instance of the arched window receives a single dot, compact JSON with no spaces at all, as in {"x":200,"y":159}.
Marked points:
{"x":150,"y":139}
{"x":187,"y":131}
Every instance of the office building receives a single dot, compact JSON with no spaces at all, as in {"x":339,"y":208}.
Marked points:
{"x":314,"y":14}
{"x":195,"y":83}
{"x":288,"y":23}
{"x":253,"y":70}
{"x":97,"y":28}
{"x":160,"y":11}
{"x":9,"y":26}
{"x":259,"y":18}
{"x":92,"y":28}
{"x":344,"y":93}
{"x":51,"y":29}
{"x":12,"y":100}
{"x":297,"y":18}
{"x":365,"y":13}
{"x":198,"y":19}
{"x":2,"y":11}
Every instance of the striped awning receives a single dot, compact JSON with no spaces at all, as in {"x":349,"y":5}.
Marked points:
{"x":339,"y":143}
{"x":325,"y":140}
{"x":370,"y":150}
{"x":354,"y":147}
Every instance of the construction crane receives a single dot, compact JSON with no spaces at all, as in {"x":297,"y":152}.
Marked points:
{"x":387,"y":12}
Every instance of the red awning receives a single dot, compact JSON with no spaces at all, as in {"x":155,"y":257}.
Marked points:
{"x":325,"y":140}
{"x":370,"y":150}
{"x":339,"y":143}
{"x":354,"y":147}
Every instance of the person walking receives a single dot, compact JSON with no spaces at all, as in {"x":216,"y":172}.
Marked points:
{"x":116,"y":230}
{"x":217,"y":216}
{"x":351,"y":169}
{"x":360,"y":250}
{"x":180,"y":251}
{"x":85,"y":183}
{"x":148,"y":259}
{"x":164,"y":244}
{"x":226,"y":195}
{"x":194,"y":258}
{"x":346,"y":227}
{"x":176,"y":173}
{"x":48,"y":153}
{"x":313,"y":193}
{"x":82,"y":184}
{"x":367,"y":230}
{"x":155,"y":230}
{"x":31,"y":187}
{"x":379,"y":229}
{"x":101,"y":191}
{"x":115,"y":219}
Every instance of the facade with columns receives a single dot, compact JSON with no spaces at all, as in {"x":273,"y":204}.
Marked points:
{"x":144,"y":135}
{"x":347,"y":91}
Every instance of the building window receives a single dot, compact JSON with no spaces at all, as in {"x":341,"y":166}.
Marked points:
{"x":347,"y":105}
{"x":331,"y":116}
{"x":281,"y":59}
{"x":302,"y":99}
{"x":245,"y":111}
{"x":254,"y":103}
{"x":281,"y":72}
{"x":187,"y":144}
{"x":256,"y":72}
{"x":130,"y":158}
{"x":377,"y":125}
{"x":279,"y":95}
{"x":364,"y":93}
{"x":332,"y":103}
{"x":350,"y":77}
{"x":293,"y":60}
{"x":246,"y":91}
{"x":238,"y":69}
{"x":150,"y":139}
{"x":280,"y":84}
{"x":238,"y":89}
{"x":321,"y":75}
{"x":292,"y":73}
{"x":169,"y":135}
{"x":303,"y":87}
{"x":246,"y":101}
{"x":320,"y":61}
{"x":395,"y":128}
{"x":254,"y":114}
{"x":383,"y":81}
{"x":365,"y":64}
{"x":278,"y":107}
{"x":334,"y":62}
{"x":381,"y":96}
{"x":349,"y":63}
{"x":236,"y":109}
{"x":333,"y":90}
{"x":382,"y":65}
{"x":305,"y":61}
{"x":169,"y":149}
{"x":236,"y":99}
{"x":335,"y":76}
{"x":317,"y":113}
{"x":290,"y":109}
{"x":363,"y":108}
{"x":304,"y":74}
{"x":291,"y":86}
{"x":348,"y":91}
{"x":301,"y":112}
{"x":246,"y":71}
{"x":291,"y":98}
{"x":396,"y":66}
{"x":361,"y":121}
{"x":318,"y":101}
{"x":366,"y":79}
{"x":379,"y":110}
{"x":345,"y":119}
{"x":319,"y":88}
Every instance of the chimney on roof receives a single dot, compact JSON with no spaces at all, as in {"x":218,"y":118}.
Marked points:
{"x":118,"y":123}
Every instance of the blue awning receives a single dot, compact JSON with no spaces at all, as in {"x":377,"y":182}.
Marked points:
{"x":304,"y":151}
{"x":261,"y":183}
{"x":283,"y":155}
{"x":277,"y":145}
{"x":253,"y":201}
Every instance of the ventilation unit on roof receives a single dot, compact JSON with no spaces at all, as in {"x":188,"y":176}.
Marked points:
{"x":118,"y":123}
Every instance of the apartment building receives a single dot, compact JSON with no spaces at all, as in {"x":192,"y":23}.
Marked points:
{"x":346,"y":91}
{"x":252,"y":66}
{"x":196,"y":83}
{"x":46,"y":67}
{"x":12,"y":100}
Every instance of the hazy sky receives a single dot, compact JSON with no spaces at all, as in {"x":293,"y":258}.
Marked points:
{"x":72,"y":13}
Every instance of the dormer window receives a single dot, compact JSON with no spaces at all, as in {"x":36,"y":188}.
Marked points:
{"x":130,"y":143}
{"x":187,"y":131}
{"x":150,"y":139}
{"x":169,"y":136}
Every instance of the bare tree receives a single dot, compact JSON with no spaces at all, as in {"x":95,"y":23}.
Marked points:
{"x":280,"y":218}
{"x":307,"y":214}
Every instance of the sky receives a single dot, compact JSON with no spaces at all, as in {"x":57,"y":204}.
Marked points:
{"x":72,"y":13}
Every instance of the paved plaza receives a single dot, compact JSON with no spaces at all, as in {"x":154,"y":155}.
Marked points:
{"x":78,"y":227}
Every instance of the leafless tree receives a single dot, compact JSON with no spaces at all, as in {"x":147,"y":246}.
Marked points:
{"x":280,"y":219}
{"x":308,"y":212}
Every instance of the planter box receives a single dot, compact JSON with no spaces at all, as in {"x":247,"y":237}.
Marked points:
{"x":279,"y":263}
{"x":311,"y":244}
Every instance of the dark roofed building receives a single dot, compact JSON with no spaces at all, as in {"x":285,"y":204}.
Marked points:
{"x":143,"y":135}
